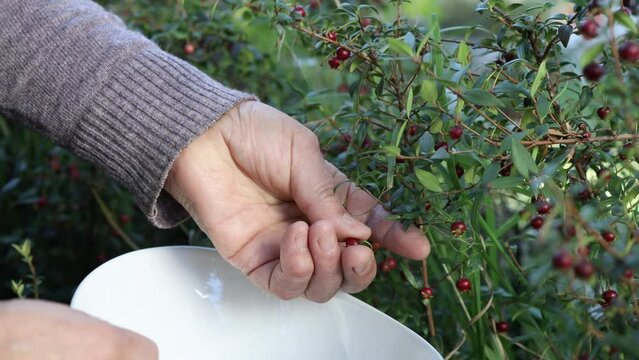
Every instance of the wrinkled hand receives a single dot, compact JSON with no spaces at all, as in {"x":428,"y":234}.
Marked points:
{"x":257,"y":184}
{"x":41,"y":330}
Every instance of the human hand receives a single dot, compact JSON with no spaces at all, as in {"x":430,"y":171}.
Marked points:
{"x":42,"y":330}
{"x":257,"y":184}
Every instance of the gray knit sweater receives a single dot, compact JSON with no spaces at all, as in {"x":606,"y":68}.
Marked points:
{"x":74,"y":72}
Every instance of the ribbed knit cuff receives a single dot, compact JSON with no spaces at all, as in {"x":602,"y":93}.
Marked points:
{"x":150,"y":109}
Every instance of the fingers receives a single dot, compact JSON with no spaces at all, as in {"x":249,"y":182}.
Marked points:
{"x":313,"y":188}
{"x":411,"y":243}
{"x":312,"y":263}
{"x":288,"y":276}
{"x":136,"y":346}
{"x":358,"y":264}
{"x":327,"y":275}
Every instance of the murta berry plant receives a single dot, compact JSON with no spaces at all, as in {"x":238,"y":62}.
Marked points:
{"x":511,"y":142}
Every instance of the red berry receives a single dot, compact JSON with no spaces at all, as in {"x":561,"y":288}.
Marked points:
{"x":427,"y":206}
{"x":441,"y":144}
{"x":506,"y":168}
{"x":427,"y":292}
{"x":377,"y":245}
{"x":584,"y":269}
{"x":314,"y":4}
{"x":391,"y":262}
{"x":456,"y":132}
{"x":385,"y":267}
{"x":55,"y":164}
{"x":629,"y":51}
{"x":459,"y":171}
{"x":412,"y":130}
{"x":629,"y":274}
{"x":593,"y":71}
{"x":603,"y":112}
{"x":124,"y":218}
{"x":365,"y":22}
{"x":74,"y":172}
{"x":334,"y":63}
{"x":609,"y":236}
{"x":299,"y":9}
{"x":331,"y":35}
{"x":609,"y":296}
{"x":537,"y":222}
{"x":458,"y":228}
{"x":189,"y":48}
{"x":585,"y":194}
{"x":543,"y":207}
{"x":342,"y":54}
{"x":604,"y":174}
{"x":463,"y":285}
{"x":42,"y":202}
{"x":352,"y":242}
{"x":562,"y":260}
{"x":502,"y":326}
{"x":342,"y":88}
{"x":588,"y":29}
{"x":571,"y":231}
{"x":508,"y":57}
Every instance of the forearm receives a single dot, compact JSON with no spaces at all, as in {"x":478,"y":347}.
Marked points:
{"x":74,"y":72}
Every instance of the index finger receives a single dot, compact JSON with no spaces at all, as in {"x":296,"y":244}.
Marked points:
{"x":410,"y":243}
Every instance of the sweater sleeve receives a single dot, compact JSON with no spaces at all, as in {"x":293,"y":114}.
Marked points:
{"x":72,"y":71}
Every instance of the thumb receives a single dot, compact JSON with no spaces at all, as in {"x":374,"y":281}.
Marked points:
{"x":313,"y":188}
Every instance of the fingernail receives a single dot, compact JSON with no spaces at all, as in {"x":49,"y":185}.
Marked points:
{"x":363,"y":268}
{"x":327,"y":243}
{"x":301,"y":241}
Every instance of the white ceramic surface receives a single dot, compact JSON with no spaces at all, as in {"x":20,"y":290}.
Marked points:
{"x":194,"y":305}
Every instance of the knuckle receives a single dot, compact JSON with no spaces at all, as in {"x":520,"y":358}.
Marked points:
{"x":310,"y":140}
{"x":300,"y":269}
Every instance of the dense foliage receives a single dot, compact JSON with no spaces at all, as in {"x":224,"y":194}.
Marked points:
{"x":512,"y":145}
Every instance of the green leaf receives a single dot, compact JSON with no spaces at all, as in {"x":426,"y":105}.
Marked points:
{"x":463,"y":53}
{"x":627,"y":21}
{"x":481,"y":97}
{"x":436,"y":126}
{"x":427,"y":142}
{"x":399,"y":46}
{"x":392,"y":150}
{"x":543,"y":107}
{"x":428,"y":91}
{"x":522,"y":159}
{"x":430,"y":181}
{"x":564,"y":32}
{"x":508,"y":182}
{"x":409,"y":102}
{"x":409,"y":276}
{"x":591,"y":53}
{"x":409,"y":39}
{"x":541,"y":74}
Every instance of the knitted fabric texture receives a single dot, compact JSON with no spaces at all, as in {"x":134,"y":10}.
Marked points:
{"x":73,"y":71}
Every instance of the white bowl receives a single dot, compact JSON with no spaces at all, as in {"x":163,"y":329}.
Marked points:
{"x":193,"y":304}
